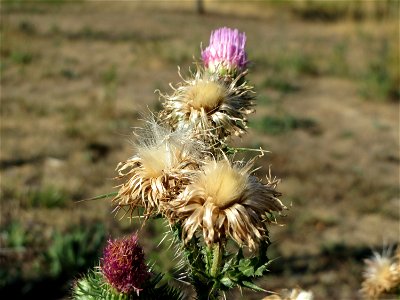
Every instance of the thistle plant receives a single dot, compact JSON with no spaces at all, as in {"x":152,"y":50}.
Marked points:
{"x":184,"y":170}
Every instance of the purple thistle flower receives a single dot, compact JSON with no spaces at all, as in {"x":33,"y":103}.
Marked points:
{"x":226,"y":53}
{"x":123,"y":265}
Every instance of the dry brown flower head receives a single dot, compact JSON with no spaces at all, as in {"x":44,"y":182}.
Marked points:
{"x":381,"y":275}
{"x":223,"y":200}
{"x":158,"y":172}
{"x":212,"y":107}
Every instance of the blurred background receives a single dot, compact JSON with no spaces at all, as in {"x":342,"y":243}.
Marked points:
{"x":76,"y":76}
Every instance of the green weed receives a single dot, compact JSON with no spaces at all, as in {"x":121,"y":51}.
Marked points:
{"x":75,"y":250}
{"x":30,"y":260}
{"x":68,"y":73}
{"x":381,"y":80}
{"x":279,"y":84}
{"x":176,"y":56}
{"x":14,"y":236}
{"x":72,"y":131}
{"x":27,"y":27}
{"x":47,"y":197}
{"x":275,"y":125}
{"x":289,"y":65}
{"x":338,"y":64}
{"x":322,"y":11}
{"x":303,"y":63}
{"x":21,"y":57}
{"x":264,"y":100}
{"x":26,"y":4}
{"x":109,"y":78}
{"x":346,"y":134}
{"x":331,"y":11}
{"x":13,"y":239}
{"x":164,"y":259}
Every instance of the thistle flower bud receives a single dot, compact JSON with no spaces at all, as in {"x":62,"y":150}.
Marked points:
{"x":123,"y":265}
{"x":225,"y":54}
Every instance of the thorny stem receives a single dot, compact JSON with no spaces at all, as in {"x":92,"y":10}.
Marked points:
{"x":216,"y":259}
{"x":205,"y":287}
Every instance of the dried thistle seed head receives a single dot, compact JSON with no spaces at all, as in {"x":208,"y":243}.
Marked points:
{"x":160,"y":169}
{"x":155,"y":134}
{"x":222,"y":184}
{"x":223,"y":201}
{"x":381,"y":275}
{"x":155,"y":160}
{"x":162,"y":158}
{"x":207,"y":95}
{"x":123,"y":265}
{"x":212,"y":108}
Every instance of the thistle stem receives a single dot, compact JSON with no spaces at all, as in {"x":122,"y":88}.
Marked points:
{"x":217,"y":255}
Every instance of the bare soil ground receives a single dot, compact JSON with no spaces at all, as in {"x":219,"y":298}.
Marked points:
{"x":75,"y":79}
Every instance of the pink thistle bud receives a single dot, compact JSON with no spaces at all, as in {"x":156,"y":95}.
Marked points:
{"x":226,"y":53}
{"x":123,"y":265}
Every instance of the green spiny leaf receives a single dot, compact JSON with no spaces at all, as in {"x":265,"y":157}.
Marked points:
{"x":252,"y":286}
{"x":226,"y":281}
{"x":260,"y":271}
{"x":108,"y":195}
{"x":247,"y":271}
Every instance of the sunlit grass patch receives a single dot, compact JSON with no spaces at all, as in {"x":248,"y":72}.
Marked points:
{"x":381,"y":79}
{"x":36,"y":197}
{"x":331,"y":11}
{"x":280,"y":84}
{"x":338,"y":62}
{"x":69,"y":73}
{"x":15,"y":50}
{"x":47,"y":197}
{"x":289,"y":64}
{"x":167,"y":51}
{"x":265,"y":100}
{"x":21,"y":57}
{"x":276,"y":125}
{"x":37,"y":6}
{"x":109,"y":75}
{"x":174,"y":56}
{"x":109,"y":79}
{"x":380,"y":202}
{"x":27,"y":27}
